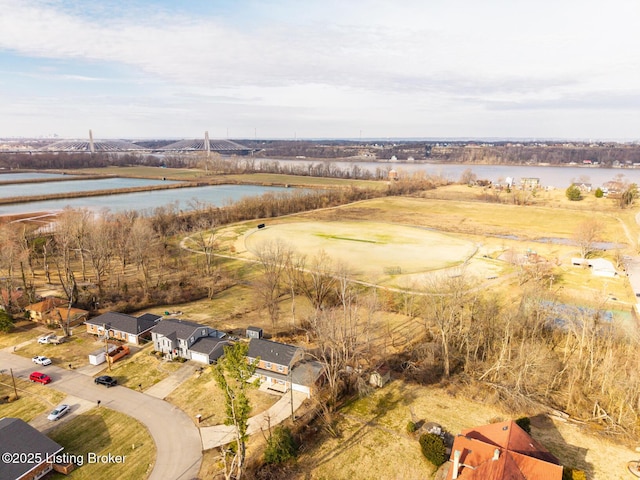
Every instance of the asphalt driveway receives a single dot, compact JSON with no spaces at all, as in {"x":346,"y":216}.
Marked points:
{"x":177,"y":439}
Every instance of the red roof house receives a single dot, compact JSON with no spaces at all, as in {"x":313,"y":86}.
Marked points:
{"x":501,"y":451}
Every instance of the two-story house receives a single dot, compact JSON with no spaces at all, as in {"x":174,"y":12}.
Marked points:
{"x":190,"y":340}
{"x":281,"y":366}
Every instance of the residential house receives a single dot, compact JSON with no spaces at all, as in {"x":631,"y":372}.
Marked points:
{"x":121,"y":326}
{"x":35,"y":451}
{"x":583,"y":187}
{"x":190,"y":340}
{"x":281,"y":366}
{"x":529,"y":183}
{"x":500,"y":451}
{"x":53,"y":310}
{"x":14,"y":301}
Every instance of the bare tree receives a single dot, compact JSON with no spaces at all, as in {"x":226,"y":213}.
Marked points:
{"x":586,"y":236}
{"x":445,"y":304}
{"x":273,"y":259}
{"x":319,"y":281}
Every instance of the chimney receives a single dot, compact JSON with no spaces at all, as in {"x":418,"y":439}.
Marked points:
{"x":496,"y":454}
{"x":456,"y":464}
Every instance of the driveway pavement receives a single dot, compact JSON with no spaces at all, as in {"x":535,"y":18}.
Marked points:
{"x":177,"y":439}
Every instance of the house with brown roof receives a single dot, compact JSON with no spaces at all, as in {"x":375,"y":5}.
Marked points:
{"x":501,"y":451}
{"x":53,"y":310}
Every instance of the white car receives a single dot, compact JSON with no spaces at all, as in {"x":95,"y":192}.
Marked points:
{"x":58,"y":412}
{"x":40,"y":360}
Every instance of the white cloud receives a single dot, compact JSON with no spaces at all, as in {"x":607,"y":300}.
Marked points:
{"x":365,"y":60}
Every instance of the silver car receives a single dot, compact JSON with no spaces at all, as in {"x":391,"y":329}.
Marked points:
{"x":58,"y":412}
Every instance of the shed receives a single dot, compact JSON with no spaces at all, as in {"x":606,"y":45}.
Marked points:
{"x":380,"y":376}
{"x":254,"y":332}
{"x":100,"y":356}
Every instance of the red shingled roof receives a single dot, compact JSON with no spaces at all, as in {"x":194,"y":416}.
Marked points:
{"x":502,"y":451}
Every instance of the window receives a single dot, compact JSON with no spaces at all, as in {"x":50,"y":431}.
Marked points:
{"x":281,"y":368}
{"x":267,"y":365}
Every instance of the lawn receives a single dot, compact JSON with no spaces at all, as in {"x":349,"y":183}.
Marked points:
{"x":141,"y":368}
{"x":33,"y":398}
{"x":23,"y":331}
{"x":200,"y":395}
{"x":103,"y":431}
{"x":75,"y":350}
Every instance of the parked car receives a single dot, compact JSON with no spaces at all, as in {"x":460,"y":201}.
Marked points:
{"x":40,"y":378}
{"x":106,"y":380}
{"x":47,"y":338}
{"x":59,"y":412}
{"x":40,"y":360}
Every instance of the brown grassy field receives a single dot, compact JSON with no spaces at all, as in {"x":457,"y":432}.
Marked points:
{"x":103,"y":431}
{"x":375,"y":444}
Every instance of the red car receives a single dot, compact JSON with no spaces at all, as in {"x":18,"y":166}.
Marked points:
{"x":40,"y":378}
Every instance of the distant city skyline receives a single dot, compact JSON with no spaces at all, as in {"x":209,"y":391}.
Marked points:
{"x":310,"y":70}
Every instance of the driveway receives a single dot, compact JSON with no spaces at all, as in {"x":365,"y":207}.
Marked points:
{"x":177,"y":439}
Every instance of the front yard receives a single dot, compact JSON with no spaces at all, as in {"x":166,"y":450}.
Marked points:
{"x":103,"y":431}
{"x":33,"y":398}
{"x":200,"y":395}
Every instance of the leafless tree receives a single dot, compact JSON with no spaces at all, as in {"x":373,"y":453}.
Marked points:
{"x":273,"y":259}
{"x":586,"y":236}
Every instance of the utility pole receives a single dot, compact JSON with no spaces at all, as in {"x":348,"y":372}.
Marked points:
{"x":291,"y":390}
{"x":106,"y":345}
{"x":13,"y":379}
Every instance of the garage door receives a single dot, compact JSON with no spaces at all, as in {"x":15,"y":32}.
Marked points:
{"x":200,"y":357}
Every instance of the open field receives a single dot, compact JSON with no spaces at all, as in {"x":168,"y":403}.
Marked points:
{"x":369,"y":247}
{"x":103,"y":431}
{"x":374,"y":432}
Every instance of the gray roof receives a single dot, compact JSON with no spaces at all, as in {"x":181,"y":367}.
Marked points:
{"x":208,"y":345}
{"x":305,"y":373}
{"x":17,"y":436}
{"x":125,"y":323}
{"x":274,"y":352}
{"x":182,"y":328}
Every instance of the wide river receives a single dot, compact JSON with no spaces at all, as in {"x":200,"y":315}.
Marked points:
{"x":558,"y":177}
{"x":220,"y":195}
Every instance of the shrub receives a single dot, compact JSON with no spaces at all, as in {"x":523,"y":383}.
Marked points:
{"x":573,"y":193}
{"x":569,"y":473}
{"x":281,"y":446}
{"x":433,"y":448}
{"x":599,"y":193}
{"x":524,"y":423}
{"x":6,"y":322}
{"x":411,"y":427}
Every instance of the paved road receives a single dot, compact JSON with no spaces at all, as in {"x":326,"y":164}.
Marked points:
{"x":177,"y":439}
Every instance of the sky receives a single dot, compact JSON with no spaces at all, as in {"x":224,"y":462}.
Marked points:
{"x":288,"y":69}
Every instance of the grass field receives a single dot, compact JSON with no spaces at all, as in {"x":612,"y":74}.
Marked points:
{"x":33,"y":398}
{"x":374,"y":432}
{"x":103,"y":431}
{"x":367,"y":247}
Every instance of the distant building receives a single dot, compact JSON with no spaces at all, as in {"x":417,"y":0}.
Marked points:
{"x":529,"y":183}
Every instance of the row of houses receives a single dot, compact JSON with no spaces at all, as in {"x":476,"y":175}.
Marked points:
{"x":280,"y":366}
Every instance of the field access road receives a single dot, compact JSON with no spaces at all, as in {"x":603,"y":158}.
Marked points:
{"x":177,"y":439}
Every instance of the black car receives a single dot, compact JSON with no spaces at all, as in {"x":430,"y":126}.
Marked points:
{"x":106,"y":380}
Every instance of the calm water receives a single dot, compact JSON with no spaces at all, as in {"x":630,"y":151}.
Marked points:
{"x":48,"y":188}
{"x":13,"y":177}
{"x":559,"y":177}
{"x":218,"y":195}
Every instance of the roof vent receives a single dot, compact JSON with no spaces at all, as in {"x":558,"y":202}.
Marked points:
{"x":496,"y":454}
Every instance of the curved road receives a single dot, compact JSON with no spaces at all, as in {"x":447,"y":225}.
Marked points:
{"x":177,"y":439}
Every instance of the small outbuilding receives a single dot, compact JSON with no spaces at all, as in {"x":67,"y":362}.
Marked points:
{"x":380,"y":376}
{"x":254,"y":332}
